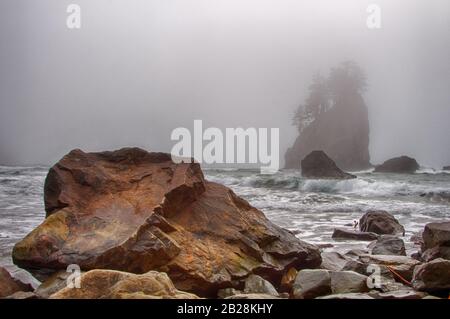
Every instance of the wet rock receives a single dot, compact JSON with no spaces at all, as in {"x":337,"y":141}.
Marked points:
{"x":10,"y":285}
{"x":347,"y":296}
{"x":446,"y":168}
{"x":388,"y":245}
{"x":227,"y":292}
{"x":400,"y":294}
{"x":111,"y":284}
{"x":288,"y":279}
{"x":432,"y":276}
{"x":311,"y":283}
{"x":402,"y":164}
{"x":402,"y":265}
{"x":255,"y":284}
{"x":318,"y":165}
{"x":53,"y":284}
{"x":252,"y":296}
{"x":436,"y":252}
{"x":343,"y":233}
{"x":380,"y":222}
{"x":23,"y":295}
{"x":333,"y":261}
{"x":436,"y":234}
{"x":135,"y":211}
{"x":347,"y":282}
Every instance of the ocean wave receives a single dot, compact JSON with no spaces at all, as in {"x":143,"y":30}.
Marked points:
{"x":431,"y":171}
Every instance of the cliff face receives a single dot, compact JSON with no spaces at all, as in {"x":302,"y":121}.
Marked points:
{"x":342,"y":132}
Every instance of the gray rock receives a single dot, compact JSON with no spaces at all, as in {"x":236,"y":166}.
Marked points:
{"x":388,"y":245}
{"x":347,"y":296}
{"x":333,"y":261}
{"x":317,"y":164}
{"x":53,"y":284}
{"x":400,"y":294}
{"x":252,"y":296}
{"x":255,"y":284}
{"x":347,"y":282}
{"x":343,"y":233}
{"x":432,"y":276}
{"x":436,"y":252}
{"x":311,"y":283}
{"x":436,"y":234}
{"x":402,"y":265}
{"x":402,"y":164}
{"x":227,"y":292}
{"x":380,"y":222}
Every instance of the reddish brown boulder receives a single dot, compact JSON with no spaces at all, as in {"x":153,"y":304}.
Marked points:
{"x":10,"y":285}
{"x":136,"y":211}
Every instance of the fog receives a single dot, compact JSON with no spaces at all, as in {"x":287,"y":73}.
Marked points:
{"x":138,"y":69}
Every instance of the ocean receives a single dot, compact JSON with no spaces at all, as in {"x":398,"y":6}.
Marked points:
{"x":310,"y":208}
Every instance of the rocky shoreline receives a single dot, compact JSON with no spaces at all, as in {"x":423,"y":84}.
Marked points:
{"x":140,"y":226}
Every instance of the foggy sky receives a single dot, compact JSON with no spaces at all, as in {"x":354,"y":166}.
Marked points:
{"x":137,"y":69}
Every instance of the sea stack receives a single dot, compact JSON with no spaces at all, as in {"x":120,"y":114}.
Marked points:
{"x":318,"y":165}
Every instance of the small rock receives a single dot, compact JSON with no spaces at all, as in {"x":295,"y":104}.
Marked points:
{"x":333,"y":261}
{"x":227,"y":292}
{"x":255,"y":284}
{"x":22,"y":295}
{"x":436,"y":252}
{"x":436,"y":234}
{"x":402,"y":164}
{"x":317,"y":164}
{"x":446,"y":168}
{"x":53,"y":284}
{"x":347,"y":296}
{"x":252,"y":296}
{"x":402,"y":265}
{"x":9,"y":285}
{"x":342,"y":233}
{"x":311,"y":283}
{"x":380,"y":222}
{"x":288,"y":279}
{"x":347,"y":282}
{"x":112,"y":284}
{"x":388,"y":245}
{"x":400,"y":294}
{"x":432,"y":276}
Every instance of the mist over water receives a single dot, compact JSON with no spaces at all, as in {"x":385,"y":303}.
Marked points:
{"x":138,"y":69}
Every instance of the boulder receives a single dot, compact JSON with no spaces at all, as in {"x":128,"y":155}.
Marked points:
{"x":402,"y":164}
{"x":255,"y":284}
{"x":436,"y":234}
{"x":311,"y":283}
{"x":380,"y":222}
{"x":343,"y":233}
{"x":53,"y":284}
{"x":318,"y":165}
{"x":10,"y":285}
{"x":135,"y":211}
{"x":333,"y":261}
{"x":433,"y":276}
{"x":112,"y":284}
{"x":436,"y":252}
{"x":446,"y":168}
{"x":388,"y":245}
{"x":347,"y":282}
{"x":402,"y":265}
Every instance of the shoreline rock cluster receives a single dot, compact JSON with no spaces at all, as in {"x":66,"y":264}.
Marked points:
{"x":141,"y":226}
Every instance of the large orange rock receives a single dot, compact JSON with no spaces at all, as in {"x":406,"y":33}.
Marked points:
{"x":136,"y":211}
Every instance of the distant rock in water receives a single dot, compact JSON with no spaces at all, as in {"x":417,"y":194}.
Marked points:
{"x":135,"y":211}
{"x":380,"y":222}
{"x":402,"y":164}
{"x":318,"y":165}
{"x":446,"y":168}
